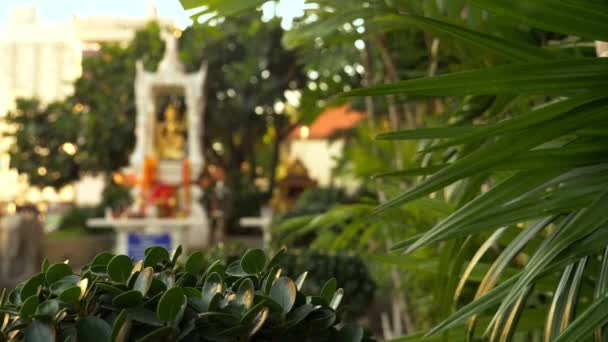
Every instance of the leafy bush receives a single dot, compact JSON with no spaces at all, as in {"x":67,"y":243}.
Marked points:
{"x":76,"y":216}
{"x":114,"y":196}
{"x":158,"y":299}
{"x":351,"y":271}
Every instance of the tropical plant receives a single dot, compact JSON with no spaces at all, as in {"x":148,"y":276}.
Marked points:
{"x":159,"y":299}
{"x":542,"y":164}
{"x":538,"y":150}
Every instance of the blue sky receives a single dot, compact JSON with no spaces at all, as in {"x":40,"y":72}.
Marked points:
{"x":61,"y":10}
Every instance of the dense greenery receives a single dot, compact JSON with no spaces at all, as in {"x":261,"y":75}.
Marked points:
{"x":39,"y":138}
{"x":350,"y":271}
{"x":161,"y":299}
{"x":518,"y":147}
{"x":76,"y":217}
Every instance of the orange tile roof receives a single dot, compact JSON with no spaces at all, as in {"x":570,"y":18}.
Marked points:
{"x":331,"y":121}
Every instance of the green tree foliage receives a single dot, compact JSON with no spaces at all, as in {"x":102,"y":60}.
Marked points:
{"x":39,"y":138}
{"x":248,"y":74}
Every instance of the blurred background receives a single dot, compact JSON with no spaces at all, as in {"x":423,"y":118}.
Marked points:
{"x":222,"y":125}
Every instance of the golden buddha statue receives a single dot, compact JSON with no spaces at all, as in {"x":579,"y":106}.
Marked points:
{"x":170,"y":135}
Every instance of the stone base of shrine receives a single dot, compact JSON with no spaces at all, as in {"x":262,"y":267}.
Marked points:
{"x":134,"y":235}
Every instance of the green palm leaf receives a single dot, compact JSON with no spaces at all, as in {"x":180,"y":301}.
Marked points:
{"x":584,"y":18}
{"x":593,"y":318}
{"x":507,"y":147}
{"x":513,"y":50}
{"x":560,"y":77}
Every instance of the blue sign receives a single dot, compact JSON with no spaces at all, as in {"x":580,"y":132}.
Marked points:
{"x":138,"y":242}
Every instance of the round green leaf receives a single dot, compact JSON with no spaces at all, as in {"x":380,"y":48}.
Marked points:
{"x":157,"y":335}
{"x":99,"y":270}
{"x":109,"y":288}
{"x":119,"y":268}
{"x":253,"y":261}
{"x":192,"y":292}
{"x":299,"y":314}
{"x":259,"y":321}
{"x":156,"y":287}
{"x":271,"y":277}
{"x":300,"y":281}
{"x":216,"y":267}
{"x":128,"y":299}
{"x":252,"y":313}
{"x":28,"y":308}
{"x":168,"y":278}
{"x":57,"y":272}
{"x":328,"y":290}
{"x":144,"y":280}
{"x":45,"y":265}
{"x":64,"y":284}
{"x":321,"y":319}
{"x":176,"y":253}
{"x":212,"y":287}
{"x":284,"y":293}
{"x":235,"y":269}
{"x":218,"y":317}
{"x":270,"y":303}
{"x":195,"y":263}
{"x":31,"y":286}
{"x":93,"y":329}
{"x":48,"y":308}
{"x":232,"y":332}
{"x":70,"y":295}
{"x":102,"y":259}
{"x":155,"y":255}
{"x":244,"y":296}
{"x":120,"y":328}
{"x":186,"y":279}
{"x":170,"y":304}
{"x":142,"y":315}
{"x":39,"y":331}
{"x":15,"y":295}
{"x":277,"y":258}
{"x":336,"y":299}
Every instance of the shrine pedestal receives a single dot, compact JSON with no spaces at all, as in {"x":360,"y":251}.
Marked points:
{"x":134,"y":235}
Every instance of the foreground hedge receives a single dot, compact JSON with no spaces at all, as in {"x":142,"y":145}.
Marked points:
{"x":159,"y":299}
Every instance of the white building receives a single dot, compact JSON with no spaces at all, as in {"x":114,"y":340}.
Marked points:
{"x":40,"y":59}
{"x":36,"y":59}
{"x":319,"y":146}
